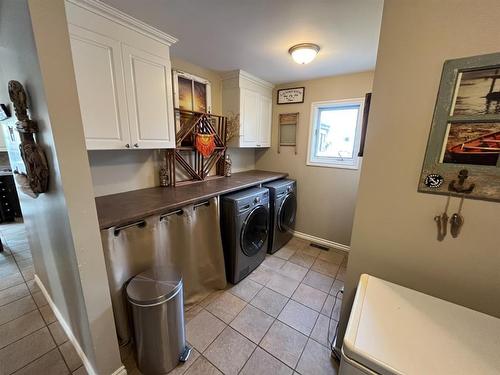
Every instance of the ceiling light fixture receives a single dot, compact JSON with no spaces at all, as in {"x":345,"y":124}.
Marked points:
{"x":304,"y":53}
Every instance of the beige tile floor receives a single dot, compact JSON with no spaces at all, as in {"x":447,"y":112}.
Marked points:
{"x":273,"y":322}
{"x":31,"y":339}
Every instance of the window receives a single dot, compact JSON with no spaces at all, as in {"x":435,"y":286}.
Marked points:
{"x":191,"y":92}
{"x":335,"y":133}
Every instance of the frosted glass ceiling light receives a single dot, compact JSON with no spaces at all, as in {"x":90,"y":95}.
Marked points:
{"x":304,"y":53}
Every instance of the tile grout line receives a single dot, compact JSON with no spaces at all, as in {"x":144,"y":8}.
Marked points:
{"x":20,"y":338}
{"x":275,"y":318}
{"x":264,"y":335}
{"x":46,"y":325}
{"x":37,"y":358}
{"x":319,"y":313}
{"x":17,"y":299}
{"x":309,"y":337}
{"x":211,"y":342}
{"x":228,"y":325}
{"x":247,"y":303}
{"x":20,"y":316}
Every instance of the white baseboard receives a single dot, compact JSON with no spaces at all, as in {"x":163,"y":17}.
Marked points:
{"x":321,"y":241}
{"x":71,"y":336}
{"x":120,"y":371}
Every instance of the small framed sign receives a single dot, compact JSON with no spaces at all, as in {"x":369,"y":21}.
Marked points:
{"x":291,"y":96}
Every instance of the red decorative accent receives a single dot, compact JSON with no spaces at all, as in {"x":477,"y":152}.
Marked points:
{"x":200,"y":147}
{"x":205,"y":144}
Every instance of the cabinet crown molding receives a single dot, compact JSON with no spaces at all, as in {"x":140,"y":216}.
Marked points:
{"x":249,"y":77}
{"x":125,"y":20}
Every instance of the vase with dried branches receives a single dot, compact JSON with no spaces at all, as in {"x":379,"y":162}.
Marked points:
{"x":233,"y":126}
{"x":232,"y":131}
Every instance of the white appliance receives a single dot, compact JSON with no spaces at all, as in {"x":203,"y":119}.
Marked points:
{"x":396,"y":330}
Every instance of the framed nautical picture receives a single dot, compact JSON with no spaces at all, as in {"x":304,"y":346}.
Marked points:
{"x":465,"y":131}
{"x":292,"y":95}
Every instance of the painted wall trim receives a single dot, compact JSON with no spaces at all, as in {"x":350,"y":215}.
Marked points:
{"x":71,"y":336}
{"x":124,"y":19}
{"x":250,"y":77}
{"x":321,"y":241}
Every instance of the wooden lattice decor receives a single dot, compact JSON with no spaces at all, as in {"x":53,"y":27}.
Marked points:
{"x":186,"y":158}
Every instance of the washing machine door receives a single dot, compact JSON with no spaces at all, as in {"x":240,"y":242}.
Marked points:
{"x":254,"y":231}
{"x":286,"y":213}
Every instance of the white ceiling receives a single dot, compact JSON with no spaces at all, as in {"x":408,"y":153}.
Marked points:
{"x":254,"y":35}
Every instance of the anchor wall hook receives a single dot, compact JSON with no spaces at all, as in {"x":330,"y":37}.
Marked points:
{"x":442,"y":221}
{"x":459,"y":187}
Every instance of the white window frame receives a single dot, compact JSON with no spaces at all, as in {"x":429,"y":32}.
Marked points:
{"x":178,"y":73}
{"x":327,"y":161}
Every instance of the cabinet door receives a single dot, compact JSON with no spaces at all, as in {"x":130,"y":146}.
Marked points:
{"x":265,"y":119}
{"x":149,"y":93}
{"x":101,"y":91}
{"x":249,"y":117}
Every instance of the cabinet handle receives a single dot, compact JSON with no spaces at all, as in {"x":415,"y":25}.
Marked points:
{"x":127,"y":145}
{"x":136,"y":145}
{"x":258,"y":145}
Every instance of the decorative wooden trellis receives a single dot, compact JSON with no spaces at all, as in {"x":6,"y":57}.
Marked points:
{"x":198,"y":167}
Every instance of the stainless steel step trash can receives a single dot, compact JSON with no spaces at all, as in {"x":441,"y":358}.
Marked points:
{"x":157,"y":306}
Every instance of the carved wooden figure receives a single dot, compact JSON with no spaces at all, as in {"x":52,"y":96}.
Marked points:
{"x":37,"y":169}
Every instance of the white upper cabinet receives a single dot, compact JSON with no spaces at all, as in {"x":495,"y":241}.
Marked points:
{"x":123,"y":77}
{"x":101,"y":91}
{"x":249,"y":118}
{"x":149,"y":86}
{"x":266,"y":112}
{"x":250,"y":97}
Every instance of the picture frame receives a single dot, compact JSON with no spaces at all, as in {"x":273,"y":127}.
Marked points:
{"x":292,"y":95}
{"x":364,"y":124}
{"x":191,"y":92}
{"x":464,"y":140}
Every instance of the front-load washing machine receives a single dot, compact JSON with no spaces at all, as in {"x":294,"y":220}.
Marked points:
{"x":245,"y":231}
{"x":283,"y":203}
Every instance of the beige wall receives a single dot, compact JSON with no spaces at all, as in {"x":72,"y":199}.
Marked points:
{"x":394,"y":234}
{"x":326,"y":196}
{"x":61,"y":224}
{"x":124,"y":170}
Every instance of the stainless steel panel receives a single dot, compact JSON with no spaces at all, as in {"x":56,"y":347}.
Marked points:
{"x":189,"y":239}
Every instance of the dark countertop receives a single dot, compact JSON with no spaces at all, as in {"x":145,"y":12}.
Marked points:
{"x":122,"y":208}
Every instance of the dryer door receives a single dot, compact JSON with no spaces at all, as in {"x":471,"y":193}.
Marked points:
{"x":254,"y":231}
{"x":286,"y":213}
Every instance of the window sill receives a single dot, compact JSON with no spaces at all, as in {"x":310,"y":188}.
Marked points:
{"x":329,"y":165}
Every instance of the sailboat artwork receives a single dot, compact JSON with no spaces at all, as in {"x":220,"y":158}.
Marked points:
{"x":477,"y":93}
{"x":465,"y":130}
